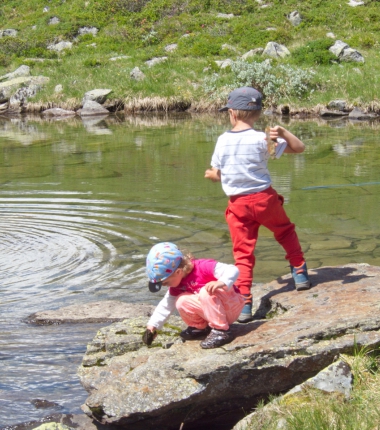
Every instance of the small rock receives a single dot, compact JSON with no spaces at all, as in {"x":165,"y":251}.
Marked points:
{"x":330,"y":35}
{"x":9,"y":32}
{"x":92,"y":108}
{"x":58,"y":88}
{"x":53,"y":21}
{"x":225,"y":15}
{"x":88,"y":30}
{"x":120,"y":57}
{"x":252,"y":52}
{"x":137,"y":74}
{"x":224,"y":63}
{"x":355,"y":3}
{"x":155,"y":60}
{"x":171,"y":48}
{"x":337,"y":104}
{"x":295,"y":18}
{"x":58,"y":112}
{"x":60,"y":46}
{"x":275,"y":50}
{"x":20,"y":72}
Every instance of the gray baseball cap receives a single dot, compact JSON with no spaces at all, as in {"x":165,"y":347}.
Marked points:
{"x":244,"y":98}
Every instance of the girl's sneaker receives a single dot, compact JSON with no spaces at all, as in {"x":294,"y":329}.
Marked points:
{"x":301,"y":277}
{"x":246,"y":313}
{"x":217,"y":338}
{"x":194,"y":333}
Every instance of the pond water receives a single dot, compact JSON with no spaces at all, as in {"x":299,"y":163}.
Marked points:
{"x":82,"y":202}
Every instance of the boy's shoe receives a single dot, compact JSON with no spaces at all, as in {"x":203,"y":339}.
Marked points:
{"x":246,"y":313}
{"x":194,"y":333}
{"x":300,"y":276}
{"x":217,"y":338}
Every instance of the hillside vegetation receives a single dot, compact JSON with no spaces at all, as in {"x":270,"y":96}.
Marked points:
{"x":141,"y":29}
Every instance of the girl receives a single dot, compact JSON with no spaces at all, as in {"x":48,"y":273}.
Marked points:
{"x":201,"y":290}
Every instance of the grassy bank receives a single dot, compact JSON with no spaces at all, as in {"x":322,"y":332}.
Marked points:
{"x":315,"y":409}
{"x":140,"y":30}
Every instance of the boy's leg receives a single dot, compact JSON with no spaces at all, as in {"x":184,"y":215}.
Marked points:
{"x":277,"y":221}
{"x":274,"y":217}
{"x":244,"y":232}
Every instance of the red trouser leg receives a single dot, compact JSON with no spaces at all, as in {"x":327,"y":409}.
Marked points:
{"x":244,"y":216}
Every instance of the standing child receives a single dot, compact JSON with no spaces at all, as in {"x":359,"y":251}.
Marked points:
{"x":240,"y":162}
{"x":202,"y":290}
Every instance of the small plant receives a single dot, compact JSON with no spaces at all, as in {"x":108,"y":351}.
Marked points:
{"x":92,"y":62}
{"x":314,"y":53}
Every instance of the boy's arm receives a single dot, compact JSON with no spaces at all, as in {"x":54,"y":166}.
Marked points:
{"x":213,"y":174}
{"x":294,"y":146}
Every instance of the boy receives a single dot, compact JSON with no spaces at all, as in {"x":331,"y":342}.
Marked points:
{"x":240,"y":162}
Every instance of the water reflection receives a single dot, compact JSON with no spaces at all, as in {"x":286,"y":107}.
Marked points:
{"x":82,"y":201}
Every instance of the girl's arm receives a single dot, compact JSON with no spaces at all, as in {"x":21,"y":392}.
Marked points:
{"x":226,"y":275}
{"x":162,"y":312}
{"x":295,"y":145}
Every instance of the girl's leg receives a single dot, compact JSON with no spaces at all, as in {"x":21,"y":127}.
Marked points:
{"x":221,"y":308}
{"x":191,"y":310}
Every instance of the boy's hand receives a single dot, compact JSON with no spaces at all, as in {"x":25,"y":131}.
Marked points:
{"x":149,"y":335}
{"x":213,"y":174}
{"x":212,"y":286}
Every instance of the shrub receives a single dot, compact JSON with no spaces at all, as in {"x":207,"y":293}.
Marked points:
{"x":275,"y":82}
{"x":314,"y":53}
{"x":92,"y":62}
{"x":5,"y":60}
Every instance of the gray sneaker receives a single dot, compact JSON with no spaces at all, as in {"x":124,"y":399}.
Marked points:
{"x":301,"y":277}
{"x":217,"y":338}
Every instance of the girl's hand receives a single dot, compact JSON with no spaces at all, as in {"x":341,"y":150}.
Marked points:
{"x":212,"y":286}
{"x":149,"y":335}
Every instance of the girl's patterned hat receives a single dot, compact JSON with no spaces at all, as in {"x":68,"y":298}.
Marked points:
{"x":163,"y":260}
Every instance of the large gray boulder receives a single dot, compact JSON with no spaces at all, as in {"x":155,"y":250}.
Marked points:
{"x":172,"y":382}
{"x":344,"y":53}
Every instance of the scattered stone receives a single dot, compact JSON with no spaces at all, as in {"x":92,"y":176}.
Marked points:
{"x":92,"y":108}
{"x":60,"y":46}
{"x":44,"y":404}
{"x":46,"y":9}
{"x":271,"y":29}
{"x":352,"y":55}
{"x":120,"y":57}
{"x":332,"y":113}
{"x":53,"y":21}
{"x":344,"y":53}
{"x":225,"y":15}
{"x":53,"y":426}
{"x":252,"y":53}
{"x":58,"y":88}
{"x":98,"y":96}
{"x":337,"y":104}
{"x":358,"y":114}
{"x":172,"y":47}
{"x":57,"y":112}
{"x":355,"y":3}
{"x":155,"y":60}
{"x":20,"y":72}
{"x":226,"y":46}
{"x":224,"y":63}
{"x":331,"y":35}
{"x":295,"y":18}
{"x":88,"y":30}
{"x":105,"y":311}
{"x":275,"y":50}
{"x":137,"y":74}
{"x":143,"y":387}
{"x":9,"y":32}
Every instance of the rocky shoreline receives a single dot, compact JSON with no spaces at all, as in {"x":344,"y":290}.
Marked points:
{"x":176,"y":383}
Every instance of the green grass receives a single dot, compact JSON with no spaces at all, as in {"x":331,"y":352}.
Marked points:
{"x":141,"y":29}
{"x":318,"y":410}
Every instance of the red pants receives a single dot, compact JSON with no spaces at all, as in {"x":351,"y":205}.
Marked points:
{"x":244,"y":216}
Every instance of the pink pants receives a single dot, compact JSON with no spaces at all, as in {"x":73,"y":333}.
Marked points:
{"x":218,"y":310}
{"x":244,"y":215}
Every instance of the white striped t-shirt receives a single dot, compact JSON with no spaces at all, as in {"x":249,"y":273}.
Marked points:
{"x":242,"y":158}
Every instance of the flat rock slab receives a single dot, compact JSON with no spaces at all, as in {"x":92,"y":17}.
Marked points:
{"x":173,"y":383}
{"x":96,"y":312}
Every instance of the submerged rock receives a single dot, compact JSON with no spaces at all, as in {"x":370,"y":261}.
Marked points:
{"x":172,"y":383}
